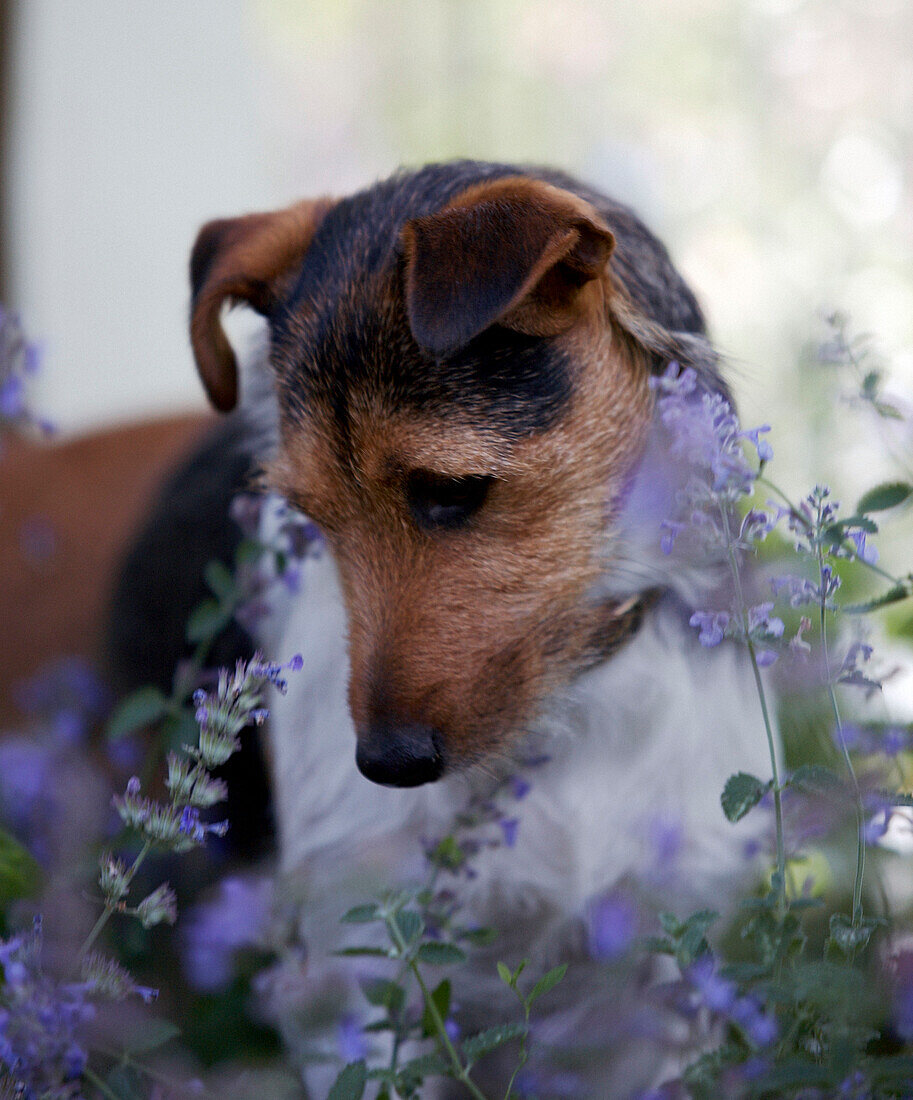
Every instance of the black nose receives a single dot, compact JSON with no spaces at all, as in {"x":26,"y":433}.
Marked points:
{"x":400,"y":754}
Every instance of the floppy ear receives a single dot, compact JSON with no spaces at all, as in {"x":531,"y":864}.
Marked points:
{"x":242,"y":260}
{"x":516,"y":251}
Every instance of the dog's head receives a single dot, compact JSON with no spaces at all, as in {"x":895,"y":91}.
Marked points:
{"x":463,"y":396}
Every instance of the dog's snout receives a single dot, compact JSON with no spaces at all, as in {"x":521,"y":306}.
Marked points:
{"x":400,"y":754}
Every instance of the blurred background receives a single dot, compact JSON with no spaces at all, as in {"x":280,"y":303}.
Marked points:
{"x":767,"y":141}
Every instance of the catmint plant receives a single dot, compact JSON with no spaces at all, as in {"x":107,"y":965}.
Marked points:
{"x":424,"y":930}
{"x":785,"y":1024}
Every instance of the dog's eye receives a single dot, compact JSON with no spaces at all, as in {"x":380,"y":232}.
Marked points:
{"x":436,"y":501}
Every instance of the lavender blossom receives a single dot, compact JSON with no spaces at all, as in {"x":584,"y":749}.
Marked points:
{"x":721,"y":997}
{"x":18,"y":360}
{"x":712,"y":626}
{"x":612,"y":925}
{"x":213,"y":931}
{"x":41,"y":1049}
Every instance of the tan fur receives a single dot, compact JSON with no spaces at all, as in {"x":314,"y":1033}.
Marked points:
{"x":249,"y":255}
{"x":440,"y":622}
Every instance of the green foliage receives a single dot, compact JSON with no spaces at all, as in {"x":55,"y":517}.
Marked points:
{"x":883,"y":497}
{"x":350,"y":1084}
{"x":20,"y":875}
{"x":742,"y":791}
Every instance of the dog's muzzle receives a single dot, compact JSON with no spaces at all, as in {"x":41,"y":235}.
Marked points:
{"x":394,"y":755}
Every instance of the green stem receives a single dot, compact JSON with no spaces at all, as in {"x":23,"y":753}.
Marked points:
{"x":795,"y":511}
{"x":99,"y":1084}
{"x":857,"y":794}
{"x":460,"y":1071}
{"x":524,"y":1054}
{"x":105,"y":914}
{"x":768,"y":725}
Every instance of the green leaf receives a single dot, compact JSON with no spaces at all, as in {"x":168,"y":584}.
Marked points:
{"x":207,"y":620}
{"x":361,"y":914}
{"x":692,"y":940}
{"x":816,"y":779}
{"x":885,"y":496}
{"x":441,"y":998}
{"x":849,"y":937}
{"x":895,"y":594}
{"x":741,"y":793}
{"x":179,"y":729}
{"x":20,"y":875}
{"x":355,"y":952}
{"x":479,"y":937}
{"x":220,"y":581}
{"x":153,"y":1034}
{"x":125,"y":1083}
{"x":490,"y":1039}
{"x":414,"y":1072}
{"x":350,"y":1084}
{"x":448,"y":854}
{"x":791,"y":1074}
{"x":546,"y":982}
{"x":659,"y":945}
{"x":670,"y":923}
{"x":505,"y":975}
{"x":836,"y":533}
{"x":441,"y":954}
{"x":410,"y":925}
{"x":384,"y":994}
{"x":137,"y":711}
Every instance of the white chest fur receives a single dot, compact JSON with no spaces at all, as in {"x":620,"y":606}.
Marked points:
{"x":651,"y":735}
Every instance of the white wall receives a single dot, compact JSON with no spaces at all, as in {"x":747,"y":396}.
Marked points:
{"x":133,"y":123}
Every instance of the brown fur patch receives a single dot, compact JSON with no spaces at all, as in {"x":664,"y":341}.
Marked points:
{"x":242,"y":259}
{"x":469,"y":629}
{"x":88,"y":494}
{"x":515,"y":250}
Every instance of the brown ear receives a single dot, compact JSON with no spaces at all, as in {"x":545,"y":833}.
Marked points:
{"x":516,"y":251}
{"x":241,"y":260}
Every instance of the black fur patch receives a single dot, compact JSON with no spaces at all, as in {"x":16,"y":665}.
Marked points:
{"x":342,"y":329}
{"x":161,"y":581}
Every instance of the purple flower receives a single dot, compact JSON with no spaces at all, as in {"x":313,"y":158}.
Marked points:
{"x":612,"y":923}
{"x":671,"y":531}
{"x":760,"y":1027}
{"x":236,"y":917}
{"x":712,"y":626}
{"x":797,"y":590}
{"x":761,"y":621}
{"x":350,"y":1039}
{"x":718,"y":994}
{"x":509,"y":826}
{"x":865,"y":553}
{"x":764,"y":449}
{"x":756,"y":526}
{"x":666,"y":839}
{"x":67,"y":696}
{"x":246,"y":510}
{"x":197,"y":830}
{"x":40,"y":1020}
{"x":902,"y":965}
{"x":519,"y":787}
{"x":12,"y":398}
{"x":894,"y":741}
{"x":706,"y":434}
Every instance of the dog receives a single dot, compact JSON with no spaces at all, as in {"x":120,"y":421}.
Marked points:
{"x":458,"y":394}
